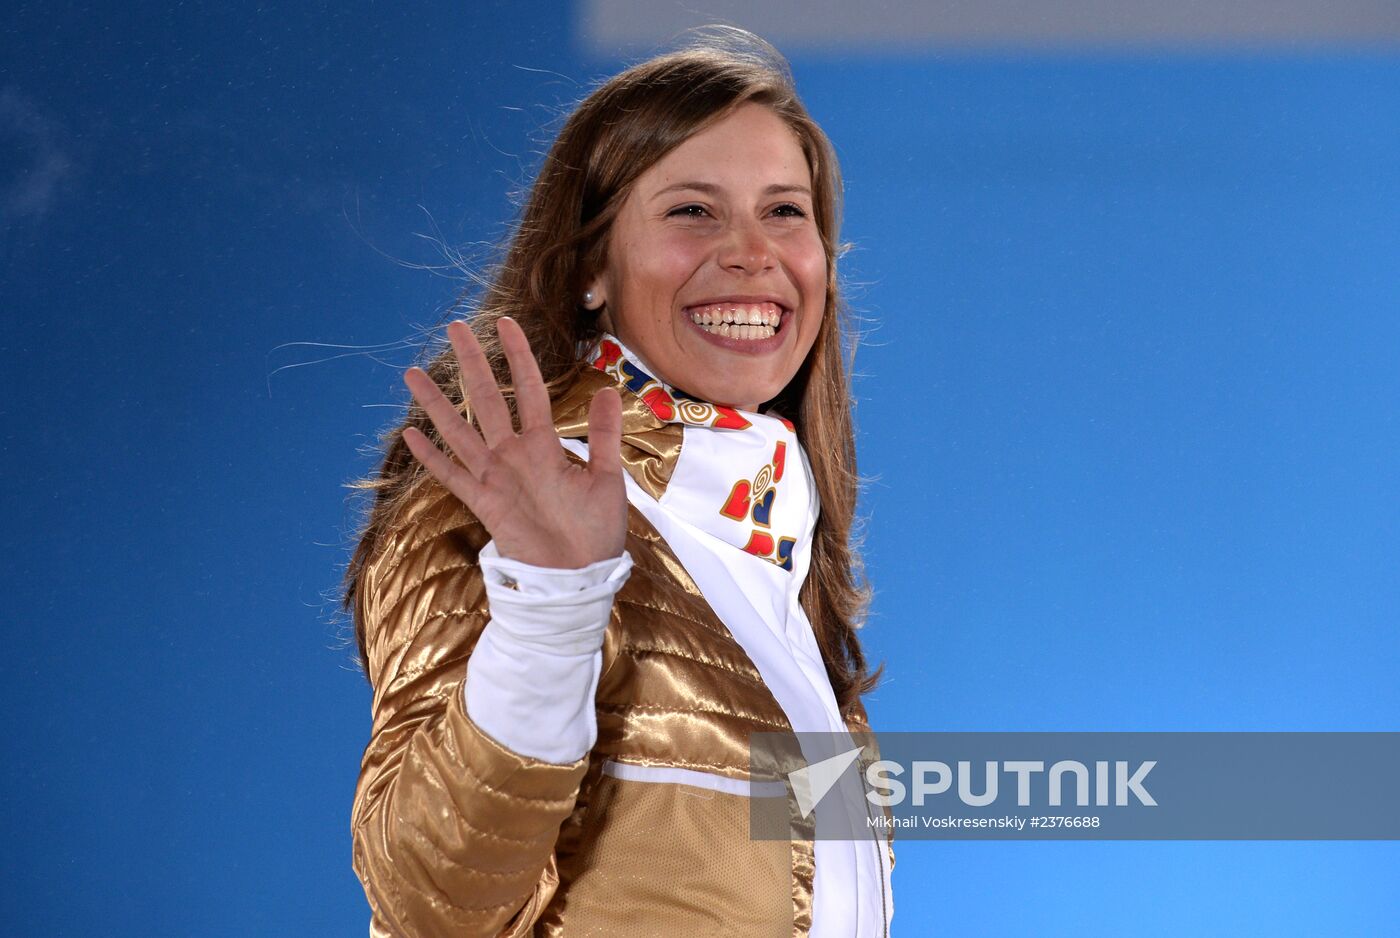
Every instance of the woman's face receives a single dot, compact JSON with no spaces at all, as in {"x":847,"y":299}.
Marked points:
{"x":720,"y":230}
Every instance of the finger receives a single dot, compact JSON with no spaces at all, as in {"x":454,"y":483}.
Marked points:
{"x":531,"y":396}
{"x":460,"y":435}
{"x":479,"y":385}
{"x":605,"y":433}
{"x":454,"y":478}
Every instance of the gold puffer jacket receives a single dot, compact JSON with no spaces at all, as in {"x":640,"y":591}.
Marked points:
{"x":455,"y":835}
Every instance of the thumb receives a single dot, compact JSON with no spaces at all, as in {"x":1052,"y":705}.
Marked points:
{"x":605,"y":432}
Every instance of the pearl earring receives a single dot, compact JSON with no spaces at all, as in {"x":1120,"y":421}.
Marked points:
{"x":588,"y":298}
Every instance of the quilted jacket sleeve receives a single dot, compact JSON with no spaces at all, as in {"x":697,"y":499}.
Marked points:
{"x":453,"y":834}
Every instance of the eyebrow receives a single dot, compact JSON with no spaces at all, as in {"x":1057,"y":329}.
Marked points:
{"x":711,"y":189}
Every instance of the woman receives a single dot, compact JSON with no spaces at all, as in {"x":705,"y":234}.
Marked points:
{"x":572,"y":627}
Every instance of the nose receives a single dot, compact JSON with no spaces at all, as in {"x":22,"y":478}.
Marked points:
{"x":746,"y":248}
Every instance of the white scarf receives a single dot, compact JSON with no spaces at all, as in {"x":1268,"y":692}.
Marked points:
{"x":747,"y":484}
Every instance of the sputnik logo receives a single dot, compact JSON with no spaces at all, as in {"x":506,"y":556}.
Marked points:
{"x":811,"y":783}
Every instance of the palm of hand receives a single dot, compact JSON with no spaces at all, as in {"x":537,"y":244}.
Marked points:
{"x":538,"y":506}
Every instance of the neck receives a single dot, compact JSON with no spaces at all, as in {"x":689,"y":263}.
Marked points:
{"x":636,"y":358}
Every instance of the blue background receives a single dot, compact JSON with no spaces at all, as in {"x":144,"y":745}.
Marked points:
{"x":1128,"y":397}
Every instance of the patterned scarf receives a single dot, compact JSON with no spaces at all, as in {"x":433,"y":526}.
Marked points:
{"x":746,"y":481}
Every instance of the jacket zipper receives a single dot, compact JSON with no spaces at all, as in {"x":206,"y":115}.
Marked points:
{"x":880,"y":853}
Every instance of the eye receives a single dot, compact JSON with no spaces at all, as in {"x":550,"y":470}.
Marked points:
{"x":688,"y":211}
{"x":789,"y":210}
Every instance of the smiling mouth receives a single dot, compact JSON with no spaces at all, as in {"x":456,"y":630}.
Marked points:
{"x":747,"y":321}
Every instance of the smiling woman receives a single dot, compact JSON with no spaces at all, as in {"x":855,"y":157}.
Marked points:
{"x":610,"y":541}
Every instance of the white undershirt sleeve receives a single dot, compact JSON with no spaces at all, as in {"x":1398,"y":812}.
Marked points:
{"x":533,"y":675}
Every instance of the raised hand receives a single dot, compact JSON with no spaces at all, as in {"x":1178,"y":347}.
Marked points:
{"x":539,"y":507}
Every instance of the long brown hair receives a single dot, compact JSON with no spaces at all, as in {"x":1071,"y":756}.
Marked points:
{"x":621,"y":128}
